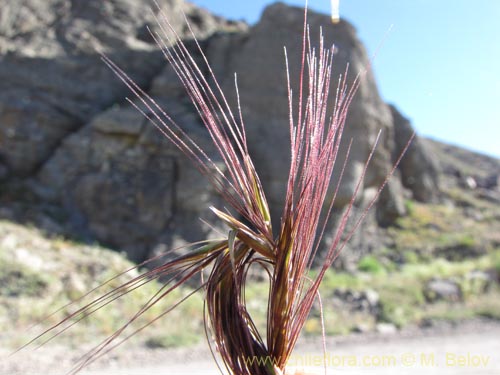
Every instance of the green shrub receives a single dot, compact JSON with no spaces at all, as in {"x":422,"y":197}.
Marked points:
{"x":410,"y":206}
{"x":370,"y":264}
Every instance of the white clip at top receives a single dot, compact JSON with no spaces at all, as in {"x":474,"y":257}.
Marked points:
{"x":335,"y":11}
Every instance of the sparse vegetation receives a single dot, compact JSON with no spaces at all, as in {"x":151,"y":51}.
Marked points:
{"x":39,"y":275}
{"x":402,"y":299}
{"x":434,"y":241}
{"x":18,"y":280}
{"x":79,"y":268}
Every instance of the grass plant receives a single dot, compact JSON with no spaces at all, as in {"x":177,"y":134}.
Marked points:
{"x":287,"y":258}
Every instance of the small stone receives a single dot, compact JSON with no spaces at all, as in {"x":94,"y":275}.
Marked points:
{"x":386,"y":328}
{"x":441,"y":289}
{"x":361,"y":328}
{"x":427,"y":323}
{"x":470,"y":183}
{"x":372,"y":297}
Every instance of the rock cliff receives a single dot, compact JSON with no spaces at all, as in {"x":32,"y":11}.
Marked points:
{"x":66,"y":130}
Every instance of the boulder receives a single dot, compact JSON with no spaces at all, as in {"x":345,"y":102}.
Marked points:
{"x":52,"y":79}
{"x":419,"y":167}
{"x":390,"y":205}
{"x":123,"y":183}
{"x":258,"y":58}
{"x":127,"y":185}
{"x":367,"y":301}
{"x":114,"y":160}
{"x":443,"y":289}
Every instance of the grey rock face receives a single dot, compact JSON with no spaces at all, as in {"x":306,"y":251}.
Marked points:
{"x":419,"y":167}
{"x":120,"y":181}
{"x":128,"y":185}
{"x":258,"y":58}
{"x":51,"y":78}
{"x":390,"y":205}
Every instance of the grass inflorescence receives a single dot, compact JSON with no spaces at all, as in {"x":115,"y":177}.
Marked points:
{"x":284,"y":254}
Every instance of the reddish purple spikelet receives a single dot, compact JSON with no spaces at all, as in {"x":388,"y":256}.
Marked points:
{"x":315,"y":138}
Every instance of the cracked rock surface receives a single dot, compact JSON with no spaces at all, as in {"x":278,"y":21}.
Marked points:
{"x":65,"y":127}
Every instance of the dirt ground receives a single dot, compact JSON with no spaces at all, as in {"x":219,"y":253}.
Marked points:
{"x":472,"y":347}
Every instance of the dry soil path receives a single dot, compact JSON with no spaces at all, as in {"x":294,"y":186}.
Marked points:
{"x":472,"y":348}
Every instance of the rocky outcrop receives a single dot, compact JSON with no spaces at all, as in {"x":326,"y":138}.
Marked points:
{"x":119,"y":181}
{"x":51,"y":78}
{"x":123,"y":182}
{"x":259,"y":60}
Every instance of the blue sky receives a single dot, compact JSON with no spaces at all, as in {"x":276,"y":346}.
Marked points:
{"x":440,"y":63}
